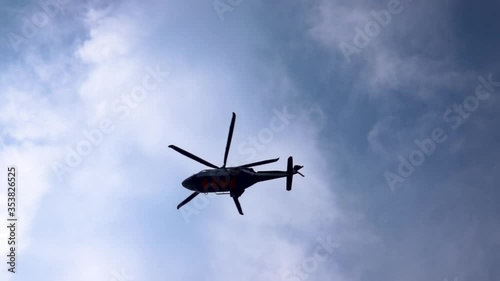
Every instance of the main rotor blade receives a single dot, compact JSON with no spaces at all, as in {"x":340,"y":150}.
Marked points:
{"x":259,"y":163}
{"x":229,"y":138}
{"x":237,"y":202}
{"x":192,"y":156}
{"x":187,"y":199}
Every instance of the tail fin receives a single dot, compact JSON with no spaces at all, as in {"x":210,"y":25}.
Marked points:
{"x":291,"y":170}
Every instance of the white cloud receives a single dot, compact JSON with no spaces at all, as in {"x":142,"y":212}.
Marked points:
{"x":111,"y":37}
{"x":392,"y":59}
{"x":190,"y":109}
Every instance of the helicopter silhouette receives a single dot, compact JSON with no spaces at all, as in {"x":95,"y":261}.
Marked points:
{"x":232,"y":180}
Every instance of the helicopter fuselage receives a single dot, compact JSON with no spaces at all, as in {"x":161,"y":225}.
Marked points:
{"x":233,"y":180}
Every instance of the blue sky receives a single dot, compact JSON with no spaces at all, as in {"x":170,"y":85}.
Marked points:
{"x":93,"y":92}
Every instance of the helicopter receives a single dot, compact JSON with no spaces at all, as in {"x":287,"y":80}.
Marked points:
{"x":232,"y":180}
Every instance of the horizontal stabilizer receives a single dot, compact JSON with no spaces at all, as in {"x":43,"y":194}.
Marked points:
{"x":289,"y":172}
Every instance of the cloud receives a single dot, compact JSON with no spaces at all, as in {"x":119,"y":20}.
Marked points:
{"x":118,"y":204}
{"x":402,"y":55}
{"x":41,"y":115}
{"x":404,"y":80}
{"x":92,"y":205}
{"x":110,"y":38}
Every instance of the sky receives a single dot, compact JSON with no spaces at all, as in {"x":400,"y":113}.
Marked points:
{"x":391,"y":106}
